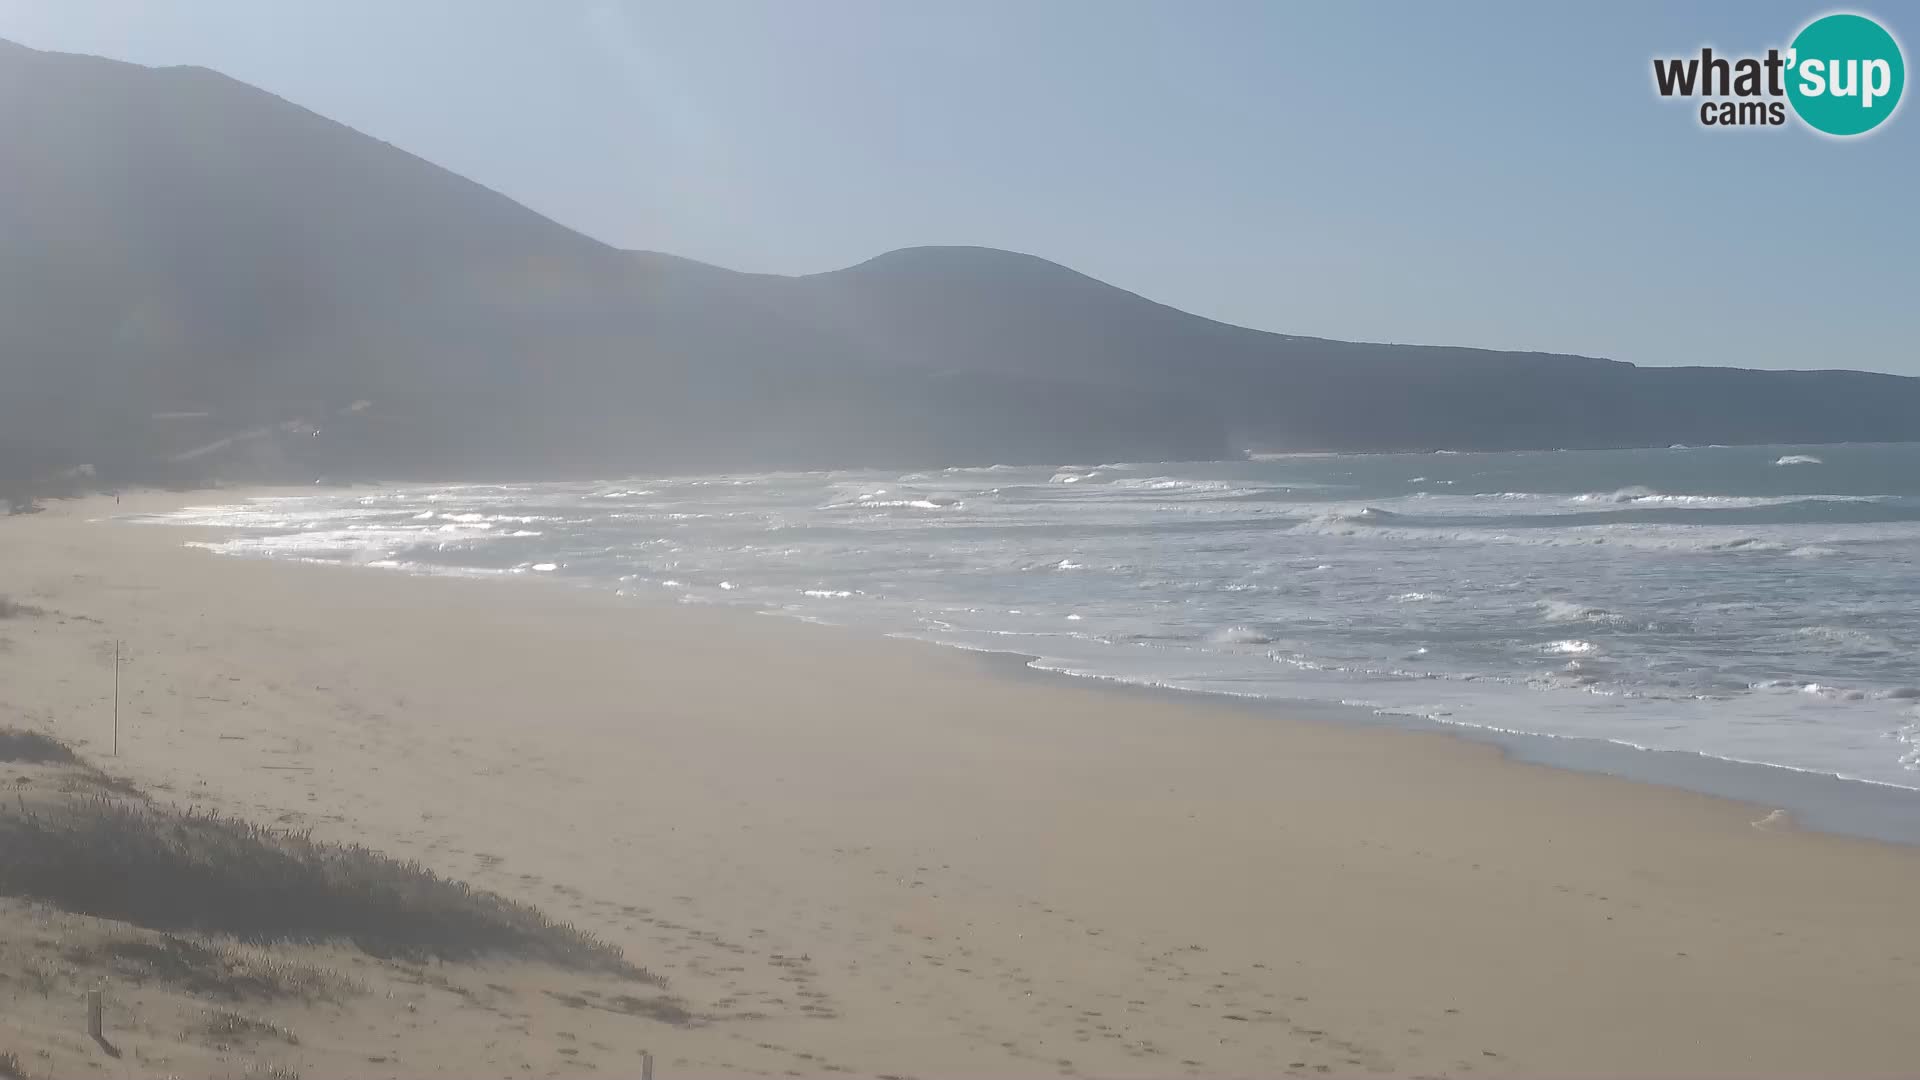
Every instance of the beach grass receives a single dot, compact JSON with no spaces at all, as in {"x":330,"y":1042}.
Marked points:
{"x":33,"y":748}
{"x":195,"y":871}
{"x":14,"y":609}
{"x":228,"y":1027}
{"x":212,"y":970}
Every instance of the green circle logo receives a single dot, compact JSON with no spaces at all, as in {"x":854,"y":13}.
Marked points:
{"x":1845,"y":74}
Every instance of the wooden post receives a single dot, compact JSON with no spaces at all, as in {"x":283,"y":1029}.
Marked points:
{"x":116,"y":697}
{"x":93,"y":1013}
{"x":646,"y":1065}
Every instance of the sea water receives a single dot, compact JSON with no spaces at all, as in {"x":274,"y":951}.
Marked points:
{"x":1758,"y":604}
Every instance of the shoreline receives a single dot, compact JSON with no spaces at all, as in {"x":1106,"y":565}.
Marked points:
{"x":986,"y":868}
{"x":1813,"y":800}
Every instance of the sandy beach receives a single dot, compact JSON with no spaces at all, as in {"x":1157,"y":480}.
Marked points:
{"x":882,"y":858}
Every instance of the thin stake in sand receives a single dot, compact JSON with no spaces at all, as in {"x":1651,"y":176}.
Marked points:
{"x":116,"y":697}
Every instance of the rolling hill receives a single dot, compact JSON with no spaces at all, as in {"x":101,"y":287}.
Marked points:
{"x":201,"y":280}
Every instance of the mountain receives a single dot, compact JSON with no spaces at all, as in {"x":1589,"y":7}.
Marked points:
{"x":199,"y":279}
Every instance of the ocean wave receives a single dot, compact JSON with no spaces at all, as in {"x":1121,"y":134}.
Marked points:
{"x":485,"y":519}
{"x":1167,"y":483}
{"x":1643,"y":496}
{"x":1163,"y":487}
{"x":1798,"y":459}
{"x":1706,"y":501}
{"x":1239,"y":635}
{"x":1566,"y":611}
{"x":1173,"y":487}
{"x":1568,"y":647}
{"x":888,"y":498}
{"x":1367,"y":515}
{"x":355,"y":541}
{"x":961,"y":470}
{"x":1858,"y":640}
{"x":1623,"y":495}
{"x":1746,"y":543}
{"x":1652,"y":537}
{"x":261,"y":514}
{"x":1811,"y":689}
{"x":1074,"y":476}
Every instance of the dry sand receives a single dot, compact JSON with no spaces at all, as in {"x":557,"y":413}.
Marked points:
{"x":883,"y":858}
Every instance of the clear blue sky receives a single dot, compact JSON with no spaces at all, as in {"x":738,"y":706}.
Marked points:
{"x":1495,"y":175}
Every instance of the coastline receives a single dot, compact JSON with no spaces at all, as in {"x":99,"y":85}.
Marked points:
{"x":1272,"y":888}
{"x":1560,"y":662}
{"x":1813,"y":801}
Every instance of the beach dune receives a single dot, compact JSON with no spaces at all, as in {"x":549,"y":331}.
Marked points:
{"x":879,"y":857}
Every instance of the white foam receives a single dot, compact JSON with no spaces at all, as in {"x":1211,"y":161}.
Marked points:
{"x":1569,"y":647}
{"x":1167,"y":487}
{"x":1566,"y":611}
{"x":1909,"y":736}
{"x":1799,"y":459}
{"x":888,"y":498}
{"x":1367,"y":516}
{"x":1623,"y":495}
{"x":1848,"y":638}
{"x":1072,"y":476}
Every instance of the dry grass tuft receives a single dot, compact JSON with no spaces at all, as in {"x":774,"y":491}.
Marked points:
{"x":230,"y":1028}
{"x":33,"y":748}
{"x":206,"y":969}
{"x":667,"y":1010}
{"x":170,"y":870}
{"x":14,"y":609}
